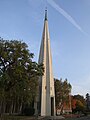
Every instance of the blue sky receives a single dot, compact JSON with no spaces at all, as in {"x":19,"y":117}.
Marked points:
{"x":69,"y":26}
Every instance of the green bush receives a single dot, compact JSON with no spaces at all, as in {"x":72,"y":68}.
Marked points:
{"x":28,"y":111}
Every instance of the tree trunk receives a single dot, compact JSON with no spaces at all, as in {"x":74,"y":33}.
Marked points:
{"x":1,"y":108}
{"x":4,"y":107}
{"x":20,"y":109}
{"x":14,"y":107}
{"x":11,"y":107}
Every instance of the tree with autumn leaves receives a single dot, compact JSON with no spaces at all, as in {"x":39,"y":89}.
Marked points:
{"x":78,"y":104}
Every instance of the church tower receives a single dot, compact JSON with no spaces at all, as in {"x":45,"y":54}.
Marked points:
{"x":46,"y":96}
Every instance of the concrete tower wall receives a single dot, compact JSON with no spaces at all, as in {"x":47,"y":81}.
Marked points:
{"x":46,"y":82}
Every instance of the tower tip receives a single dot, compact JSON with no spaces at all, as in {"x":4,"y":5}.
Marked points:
{"x":46,"y":13}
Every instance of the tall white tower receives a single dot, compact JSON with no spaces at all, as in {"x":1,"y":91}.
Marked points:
{"x":46,"y":97}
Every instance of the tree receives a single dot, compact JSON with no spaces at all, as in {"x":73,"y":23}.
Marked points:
{"x":58,"y":91}
{"x":62,"y":91}
{"x":18,"y":75}
{"x":88,"y":101}
{"x":80,"y":103}
{"x":80,"y":106}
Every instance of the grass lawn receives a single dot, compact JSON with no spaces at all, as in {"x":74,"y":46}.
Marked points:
{"x":10,"y":117}
{"x":80,"y":118}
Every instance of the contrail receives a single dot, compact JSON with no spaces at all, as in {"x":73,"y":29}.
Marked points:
{"x":65,"y":14}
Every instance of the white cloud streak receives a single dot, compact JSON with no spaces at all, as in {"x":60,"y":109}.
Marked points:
{"x":65,"y":14}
